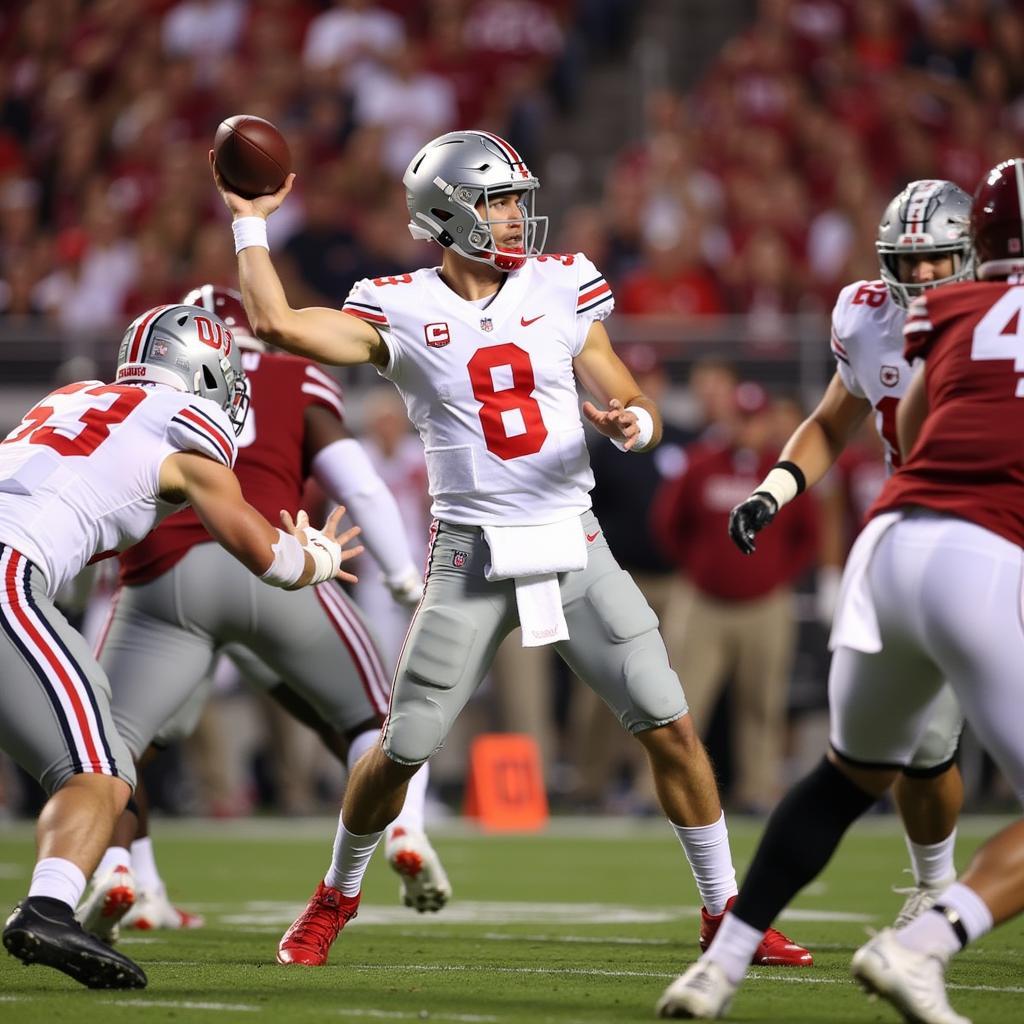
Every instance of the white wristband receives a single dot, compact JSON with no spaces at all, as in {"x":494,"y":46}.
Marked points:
{"x":289,"y":562}
{"x":326,"y":555}
{"x":250,"y":231}
{"x":645,"y":423}
{"x":781,"y":485}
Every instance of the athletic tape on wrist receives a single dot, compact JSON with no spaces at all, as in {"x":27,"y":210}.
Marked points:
{"x":326,"y":555}
{"x":645,"y":426}
{"x":249,"y":231}
{"x":289,"y":562}
{"x":783,"y":483}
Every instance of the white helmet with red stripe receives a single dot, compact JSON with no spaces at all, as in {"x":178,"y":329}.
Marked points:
{"x":189,"y":349}
{"x":447,"y":180}
{"x":928,"y":217}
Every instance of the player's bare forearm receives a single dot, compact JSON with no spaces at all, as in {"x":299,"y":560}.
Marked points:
{"x":603,"y":374}
{"x":326,"y":335}
{"x":816,"y":444}
{"x":213,"y":492}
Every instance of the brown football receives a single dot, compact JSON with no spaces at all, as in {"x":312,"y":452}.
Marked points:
{"x":251,"y":155}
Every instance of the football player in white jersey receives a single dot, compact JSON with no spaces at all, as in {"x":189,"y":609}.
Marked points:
{"x":486,"y":350}
{"x":922,"y":243}
{"x":92,"y":469}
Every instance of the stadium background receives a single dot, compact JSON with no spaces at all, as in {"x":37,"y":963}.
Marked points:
{"x":723,"y":163}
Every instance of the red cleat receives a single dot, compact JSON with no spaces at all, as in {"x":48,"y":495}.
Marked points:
{"x":309,"y":939}
{"x":775,"y":950}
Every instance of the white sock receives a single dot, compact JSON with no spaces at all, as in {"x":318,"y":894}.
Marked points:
{"x":147,"y":877}
{"x":352,"y":853}
{"x":411,"y":815}
{"x":733,"y":947}
{"x":933,"y":862}
{"x":115,"y":857}
{"x":58,"y":879}
{"x":932,"y":933}
{"x":360,"y":745}
{"x":707,"y":849}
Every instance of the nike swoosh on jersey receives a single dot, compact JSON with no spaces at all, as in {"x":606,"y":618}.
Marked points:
{"x":591,"y":537}
{"x":526,"y":323}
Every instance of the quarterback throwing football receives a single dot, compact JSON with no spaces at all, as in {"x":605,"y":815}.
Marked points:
{"x":486,"y":350}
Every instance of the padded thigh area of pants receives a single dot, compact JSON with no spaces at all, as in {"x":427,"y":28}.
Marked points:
{"x":439,"y":647}
{"x":621,"y":607}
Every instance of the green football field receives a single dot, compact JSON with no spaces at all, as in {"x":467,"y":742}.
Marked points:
{"x":584,"y":924}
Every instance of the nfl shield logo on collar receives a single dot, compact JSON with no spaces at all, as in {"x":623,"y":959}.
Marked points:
{"x":486,"y":324}
{"x":459,"y":559}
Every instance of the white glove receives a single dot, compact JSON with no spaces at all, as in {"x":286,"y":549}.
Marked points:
{"x":406,"y":588}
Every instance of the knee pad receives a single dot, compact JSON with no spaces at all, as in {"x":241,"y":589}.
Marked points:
{"x":426,"y":697}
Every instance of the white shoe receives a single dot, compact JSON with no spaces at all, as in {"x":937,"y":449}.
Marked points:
{"x":152,"y":909}
{"x":919,"y":898}
{"x":425,"y":885}
{"x":703,"y":992}
{"x":110,"y":898}
{"x":913,"y":982}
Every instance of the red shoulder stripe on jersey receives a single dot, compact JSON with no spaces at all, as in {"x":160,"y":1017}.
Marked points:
{"x":214,"y":433}
{"x":364,"y":315}
{"x":593,"y":293}
{"x":138,"y":338}
{"x":838,"y":346}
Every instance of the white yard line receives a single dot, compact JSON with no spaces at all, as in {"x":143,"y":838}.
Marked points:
{"x":180,"y":1004}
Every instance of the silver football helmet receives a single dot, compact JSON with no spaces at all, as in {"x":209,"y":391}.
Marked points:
{"x":446,"y":180}
{"x":928,"y":216}
{"x":189,"y":349}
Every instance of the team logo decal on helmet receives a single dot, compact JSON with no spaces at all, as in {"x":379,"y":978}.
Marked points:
{"x":927,"y":218}
{"x":454,"y":174}
{"x":189,"y":349}
{"x":227,"y":304}
{"x":997,"y":221}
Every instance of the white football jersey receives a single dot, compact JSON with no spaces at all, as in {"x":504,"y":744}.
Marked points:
{"x":492,"y":390}
{"x":80,"y":474}
{"x":867,"y":341}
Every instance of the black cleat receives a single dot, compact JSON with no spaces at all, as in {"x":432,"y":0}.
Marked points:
{"x":44,"y":931}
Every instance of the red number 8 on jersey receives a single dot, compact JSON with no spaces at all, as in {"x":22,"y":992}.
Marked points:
{"x":509,"y":414}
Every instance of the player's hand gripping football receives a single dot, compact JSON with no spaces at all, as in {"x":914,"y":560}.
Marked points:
{"x":261,"y":206}
{"x":305,"y":534}
{"x":749,"y":517}
{"x":616,"y":422}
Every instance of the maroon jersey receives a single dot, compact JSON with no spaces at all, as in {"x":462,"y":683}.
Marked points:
{"x":271,"y":467}
{"x":969,"y":458}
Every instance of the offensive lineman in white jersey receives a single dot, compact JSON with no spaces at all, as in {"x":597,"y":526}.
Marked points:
{"x":923,"y":242}
{"x":486,"y":350}
{"x":92,"y":469}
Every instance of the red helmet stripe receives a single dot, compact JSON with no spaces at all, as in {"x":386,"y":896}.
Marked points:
{"x":139,"y":337}
{"x":513,"y":156}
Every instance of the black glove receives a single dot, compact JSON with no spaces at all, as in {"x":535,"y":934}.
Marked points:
{"x":749,"y":517}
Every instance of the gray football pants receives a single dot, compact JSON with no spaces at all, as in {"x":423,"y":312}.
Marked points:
{"x":55,"y":718}
{"x":164,"y":636}
{"x":614,"y":645}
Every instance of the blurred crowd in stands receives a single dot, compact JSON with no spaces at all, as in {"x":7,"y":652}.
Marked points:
{"x":756,"y":192}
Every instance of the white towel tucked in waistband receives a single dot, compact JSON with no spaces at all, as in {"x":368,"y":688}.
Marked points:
{"x":856,"y":621}
{"x":533,"y":556}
